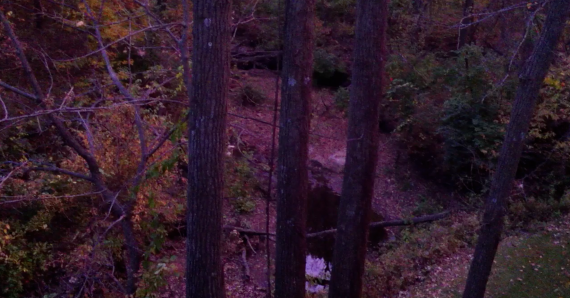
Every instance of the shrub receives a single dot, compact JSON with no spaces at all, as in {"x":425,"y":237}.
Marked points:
{"x":473,"y":119}
{"x":22,"y":261}
{"x":240,"y":184}
{"x":342,"y":98}
{"x":243,"y":205}
{"x":156,"y":276}
{"x":328,"y":69}
{"x":249,"y":96}
{"x":451,"y":113}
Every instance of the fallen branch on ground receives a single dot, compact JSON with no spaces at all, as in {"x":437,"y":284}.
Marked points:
{"x":393,"y":223}
{"x":247,"y":231}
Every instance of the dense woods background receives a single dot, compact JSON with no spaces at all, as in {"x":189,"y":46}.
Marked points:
{"x":103,"y":137}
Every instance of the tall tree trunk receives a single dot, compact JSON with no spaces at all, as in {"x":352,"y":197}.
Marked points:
{"x":531,"y":78}
{"x":206,"y":144}
{"x":362,"y":149}
{"x":294,"y":119}
{"x":466,"y":34}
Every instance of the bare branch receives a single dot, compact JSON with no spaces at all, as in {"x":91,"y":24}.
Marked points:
{"x":481,"y":17}
{"x":104,"y":47}
{"x":4,"y":109}
{"x":18,"y":91}
{"x":7,"y":176}
{"x":125,"y":92}
{"x":61,"y":171}
{"x":66,"y":135}
{"x":162,"y":140}
{"x":90,"y":139}
{"x":19,"y":199}
{"x":528,"y":29}
{"x":250,"y":118}
{"x":74,"y":110}
{"x":158,"y":20}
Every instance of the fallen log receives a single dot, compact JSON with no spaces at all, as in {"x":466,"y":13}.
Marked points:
{"x":247,"y":231}
{"x":393,"y":223}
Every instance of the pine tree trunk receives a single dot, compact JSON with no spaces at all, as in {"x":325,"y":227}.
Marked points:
{"x":530,"y":81}
{"x":294,"y":119}
{"x":206,"y":145}
{"x":362,"y":149}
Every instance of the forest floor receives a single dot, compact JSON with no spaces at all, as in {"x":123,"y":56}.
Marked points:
{"x":399,"y":192}
{"x":528,"y":265}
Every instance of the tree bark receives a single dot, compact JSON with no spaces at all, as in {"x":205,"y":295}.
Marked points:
{"x":362,"y":149}
{"x":206,"y":144}
{"x":294,"y":120}
{"x":530,"y":81}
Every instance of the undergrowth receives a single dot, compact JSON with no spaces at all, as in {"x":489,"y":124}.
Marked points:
{"x":401,"y":263}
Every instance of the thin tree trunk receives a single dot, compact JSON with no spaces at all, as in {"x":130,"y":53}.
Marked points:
{"x":505,"y":34}
{"x":531,"y":78}
{"x":467,"y":32}
{"x":206,"y":142}
{"x":38,"y":17}
{"x":362,"y":149}
{"x":294,"y":119}
{"x":133,"y":254}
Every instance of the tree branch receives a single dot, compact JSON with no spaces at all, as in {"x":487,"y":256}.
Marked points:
{"x":125,"y":92}
{"x":19,"y":199}
{"x":18,"y":91}
{"x":4,"y":109}
{"x":393,"y":223}
{"x":248,"y":231}
{"x":60,"y":171}
{"x":104,"y":47}
{"x":65,"y":134}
